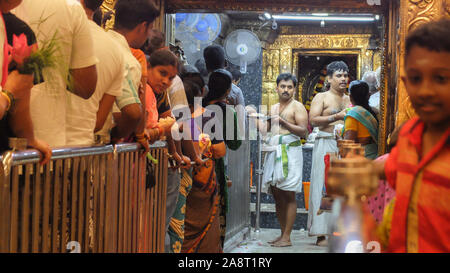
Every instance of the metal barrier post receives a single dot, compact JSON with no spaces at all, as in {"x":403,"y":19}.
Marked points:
{"x":258,"y":172}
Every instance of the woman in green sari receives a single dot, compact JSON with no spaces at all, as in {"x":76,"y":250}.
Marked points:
{"x":361,"y":122}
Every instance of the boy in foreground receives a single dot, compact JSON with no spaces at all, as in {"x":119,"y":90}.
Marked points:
{"x":418,"y":168}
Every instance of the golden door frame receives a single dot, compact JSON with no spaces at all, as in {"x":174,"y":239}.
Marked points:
{"x":389,"y":11}
{"x":399,"y":17}
{"x":283,"y":56}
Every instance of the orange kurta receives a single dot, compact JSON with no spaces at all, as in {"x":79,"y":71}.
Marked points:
{"x":421,"y":218}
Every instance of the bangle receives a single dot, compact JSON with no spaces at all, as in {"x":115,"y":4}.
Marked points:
{"x":9,"y":97}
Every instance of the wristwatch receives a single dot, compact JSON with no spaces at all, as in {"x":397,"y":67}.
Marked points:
{"x":12,"y":100}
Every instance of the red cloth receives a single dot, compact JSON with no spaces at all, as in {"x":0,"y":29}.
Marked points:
{"x":5,"y":55}
{"x":151,"y":109}
{"x":424,"y":227}
{"x":326,"y":158}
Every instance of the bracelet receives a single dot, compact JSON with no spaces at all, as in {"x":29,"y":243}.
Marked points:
{"x":9,"y":97}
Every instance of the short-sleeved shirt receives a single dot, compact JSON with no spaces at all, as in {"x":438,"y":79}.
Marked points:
{"x":177,"y":99}
{"x":81,"y":113}
{"x":65,"y":21}
{"x":133,"y":74}
{"x":235,"y":96}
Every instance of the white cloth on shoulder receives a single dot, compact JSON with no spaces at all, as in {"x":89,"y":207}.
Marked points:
{"x":283,"y":163}
{"x":323,"y":144}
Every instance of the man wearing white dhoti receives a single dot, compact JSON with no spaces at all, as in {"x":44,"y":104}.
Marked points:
{"x":283,"y":164}
{"x":327,"y":110}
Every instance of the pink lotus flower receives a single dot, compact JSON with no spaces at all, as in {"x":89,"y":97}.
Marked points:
{"x":20,"y":50}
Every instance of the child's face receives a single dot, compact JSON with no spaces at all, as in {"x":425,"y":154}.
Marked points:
{"x":160,"y":77}
{"x":427,"y":82}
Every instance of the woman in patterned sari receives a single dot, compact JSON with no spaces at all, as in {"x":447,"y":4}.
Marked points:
{"x":219,"y":85}
{"x":202,"y":221}
{"x":361,"y":122}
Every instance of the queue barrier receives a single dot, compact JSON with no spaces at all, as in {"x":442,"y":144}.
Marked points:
{"x":87,"y":200}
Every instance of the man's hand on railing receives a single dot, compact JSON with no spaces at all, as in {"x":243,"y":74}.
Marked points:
{"x":43,"y":148}
{"x":186,"y":164}
{"x":143,"y":140}
{"x":175,"y":160}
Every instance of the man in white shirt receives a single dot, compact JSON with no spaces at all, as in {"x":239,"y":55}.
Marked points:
{"x":84,"y":116}
{"x":370,"y":77}
{"x":66,"y":22}
{"x":133,"y":23}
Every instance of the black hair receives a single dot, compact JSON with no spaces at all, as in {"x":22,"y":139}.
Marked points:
{"x":200,"y":64}
{"x":97,"y":17}
{"x":155,"y":41}
{"x":434,"y":36}
{"x":93,"y":4}
{"x":236,"y":73}
{"x":163,"y":57}
{"x":130,"y":13}
{"x":214,"y":57}
{"x":336,"y":66}
{"x":359,"y":92}
{"x":192,"y":90}
{"x":190,"y":73}
{"x":287,"y":77}
{"x":106,"y":17}
{"x":219,"y":83}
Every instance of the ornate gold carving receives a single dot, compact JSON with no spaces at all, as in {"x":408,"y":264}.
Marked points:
{"x":413,"y":14}
{"x":422,"y":11}
{"x":108,"y":4}
{"x":282,"y":56}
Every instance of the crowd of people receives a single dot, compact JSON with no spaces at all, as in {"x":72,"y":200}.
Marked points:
{"x":125,"y":85}
{"x":409,"y":206}
{"x":122,"y":85}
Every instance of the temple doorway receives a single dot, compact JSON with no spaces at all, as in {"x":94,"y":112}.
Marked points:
{"x":312,"y":73}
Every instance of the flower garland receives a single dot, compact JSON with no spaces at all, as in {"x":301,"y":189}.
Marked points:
{"x":317,"y":88}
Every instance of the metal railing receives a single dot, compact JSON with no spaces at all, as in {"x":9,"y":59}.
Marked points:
{"x":93,"y":199}
{"x":238,"y":170}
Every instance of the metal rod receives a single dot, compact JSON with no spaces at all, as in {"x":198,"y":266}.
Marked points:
{"x":32,"y":156}
{"x":258,"y":172}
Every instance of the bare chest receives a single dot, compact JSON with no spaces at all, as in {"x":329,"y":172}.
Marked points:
{"x":334,"y":104}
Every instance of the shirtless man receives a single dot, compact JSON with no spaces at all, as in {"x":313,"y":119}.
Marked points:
{"x":327,"y":110}
{"x":288,"y":122}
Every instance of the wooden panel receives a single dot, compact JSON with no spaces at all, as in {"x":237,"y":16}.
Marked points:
{"x":65,"y":217}
{"x":56,"y":206}
{"x":5,"y":210}
{"x":46,"y":206}
{"x":36,"y":221}
{"x":25,"y":215}
{"x":14,"y":210}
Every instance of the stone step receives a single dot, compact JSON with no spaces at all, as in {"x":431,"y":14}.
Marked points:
{"x":268,"y":217}
{"x":268,"y":198}
{"x":268,"y":207}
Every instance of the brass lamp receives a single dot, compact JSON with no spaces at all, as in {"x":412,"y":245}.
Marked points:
{"x":350,"y":180}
